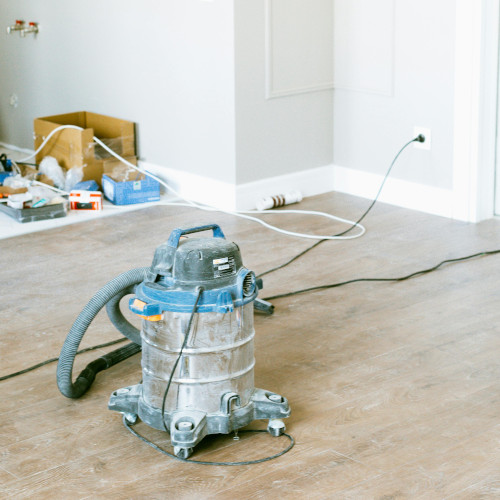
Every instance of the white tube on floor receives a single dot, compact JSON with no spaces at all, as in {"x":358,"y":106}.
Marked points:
{"x":279,"y":200}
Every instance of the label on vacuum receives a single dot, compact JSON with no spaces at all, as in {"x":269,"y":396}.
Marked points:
{"x":223,"y":266}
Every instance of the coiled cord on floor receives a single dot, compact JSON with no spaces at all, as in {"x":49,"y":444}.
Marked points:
{"x":204,"y":462}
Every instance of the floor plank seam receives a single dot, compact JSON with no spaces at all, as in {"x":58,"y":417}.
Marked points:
{"x":10,"y":473}
{"x":455,"y":493}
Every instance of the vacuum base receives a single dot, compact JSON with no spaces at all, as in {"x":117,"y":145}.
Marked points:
{"x":187,"y":427}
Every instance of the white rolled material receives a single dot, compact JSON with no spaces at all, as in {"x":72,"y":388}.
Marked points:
{"x":279,"y":200}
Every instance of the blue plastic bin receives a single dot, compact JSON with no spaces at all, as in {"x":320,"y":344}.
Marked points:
{"x":129,"y":192}
{"x":4,"y":175}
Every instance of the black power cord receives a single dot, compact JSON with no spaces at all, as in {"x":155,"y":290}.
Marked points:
{"x":419,"y":138}
{"x":290,"y":294}
{"x":402,"y":278}
{"x":53,"y":360}
{"x":184,"y":344}
{"x":202,"y":462}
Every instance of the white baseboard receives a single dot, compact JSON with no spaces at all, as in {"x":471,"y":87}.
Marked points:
{"x":243,"y":196}
{"x":309,"y":182}
{"x":429,"y":199}
{"x":198,"y":188}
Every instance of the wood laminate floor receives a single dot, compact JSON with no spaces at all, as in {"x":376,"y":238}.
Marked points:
{"x":394,"y":387}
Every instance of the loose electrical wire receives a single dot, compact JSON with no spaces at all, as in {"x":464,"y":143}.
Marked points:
{"x":296,"y":292}
{"x":53,"y":360}
{"x":48,"y":186}
{"x":16,"y":167}
{"x":365,"y":213}
{"x":165,"y":394}
{"x":244,"y":214}
{"x":402,"y":278}
{"x":184,"y":343}
{"x":203,"y":462}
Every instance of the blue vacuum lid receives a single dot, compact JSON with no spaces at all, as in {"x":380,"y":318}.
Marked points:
{"x":182,"y":264}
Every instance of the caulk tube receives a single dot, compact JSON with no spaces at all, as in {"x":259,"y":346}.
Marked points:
{"x":279,"y":200}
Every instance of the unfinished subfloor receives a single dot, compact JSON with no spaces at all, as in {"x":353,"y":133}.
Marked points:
{"x":394,"y":387}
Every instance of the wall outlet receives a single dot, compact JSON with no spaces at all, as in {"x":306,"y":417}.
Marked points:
{"x":426,"y":132}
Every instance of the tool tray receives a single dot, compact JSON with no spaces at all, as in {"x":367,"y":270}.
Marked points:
{"x":35,"y":214}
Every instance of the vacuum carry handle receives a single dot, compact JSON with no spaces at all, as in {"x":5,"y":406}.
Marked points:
{"x":175,"y":235}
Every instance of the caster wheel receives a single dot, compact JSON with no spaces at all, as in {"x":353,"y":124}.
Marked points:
{"x":182,"y":452}
{"x":276,"y":427}
{"x":131,"y":418}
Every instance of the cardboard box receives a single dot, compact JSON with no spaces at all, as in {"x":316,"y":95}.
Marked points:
{"x":76,"y":148}
{"x":32,"y":173}
{"x":125,"y":186}
{"x":8,"y":190}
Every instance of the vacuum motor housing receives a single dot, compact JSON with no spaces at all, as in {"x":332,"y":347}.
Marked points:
{"x":212,"y":389}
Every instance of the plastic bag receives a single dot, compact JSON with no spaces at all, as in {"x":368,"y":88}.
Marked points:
{"x":41,"y":196}
{"x":53,"y":171}
{"x":73,"y":177}
{"x":16,"y":182}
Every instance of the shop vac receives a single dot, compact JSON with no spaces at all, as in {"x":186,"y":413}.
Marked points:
{"x":197,"y":305}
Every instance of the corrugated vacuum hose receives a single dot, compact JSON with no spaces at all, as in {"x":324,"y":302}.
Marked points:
{"x":108,"y":296}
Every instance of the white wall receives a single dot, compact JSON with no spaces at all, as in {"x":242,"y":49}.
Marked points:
{"x":224,"y":92}
{"x":283,"y":86}
{"x":398,"y":64}
{"x":399,"y":73}
{"x":167,"y":65}
{"x":228,"y":93}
